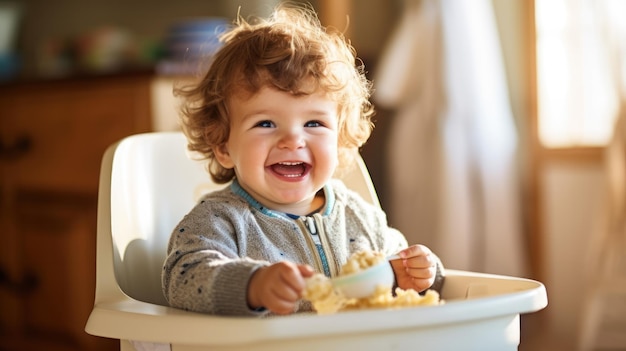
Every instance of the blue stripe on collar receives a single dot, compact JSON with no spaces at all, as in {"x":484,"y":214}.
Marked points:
{"x":237,"y":189}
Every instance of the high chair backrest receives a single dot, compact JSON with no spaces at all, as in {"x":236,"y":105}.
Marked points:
{"x":152,"y":182}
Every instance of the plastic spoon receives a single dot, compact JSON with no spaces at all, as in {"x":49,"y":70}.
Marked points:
{"x":364,"y":283}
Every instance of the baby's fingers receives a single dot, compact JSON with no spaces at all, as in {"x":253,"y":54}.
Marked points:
{"x":422,"y":273}
{"x":420,"y":262}
{"x":415,"y":251}
{"x":422,"y":284}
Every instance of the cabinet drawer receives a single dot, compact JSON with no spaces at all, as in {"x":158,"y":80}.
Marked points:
{"x":59,"y":132}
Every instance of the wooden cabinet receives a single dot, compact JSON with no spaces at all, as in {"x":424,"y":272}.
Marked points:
{"x":52,"y":137}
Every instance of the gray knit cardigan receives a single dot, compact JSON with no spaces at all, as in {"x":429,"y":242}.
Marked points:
{"x":218,"y":245}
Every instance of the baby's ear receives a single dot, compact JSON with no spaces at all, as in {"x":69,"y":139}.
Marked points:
{"x":222,"y":156}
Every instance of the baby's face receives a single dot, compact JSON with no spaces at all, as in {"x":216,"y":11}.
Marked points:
{"x":283,"y":147}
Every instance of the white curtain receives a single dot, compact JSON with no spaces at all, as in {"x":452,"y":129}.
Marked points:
{"x":453,"y":179}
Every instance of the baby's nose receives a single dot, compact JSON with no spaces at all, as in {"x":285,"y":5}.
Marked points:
{"x":291,"y":140}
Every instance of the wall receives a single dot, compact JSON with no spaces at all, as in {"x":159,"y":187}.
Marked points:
{"x":572,"y":201}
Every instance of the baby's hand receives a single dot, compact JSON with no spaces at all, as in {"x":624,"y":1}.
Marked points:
{"x":416,"y":269}
{"x":278,"y":287}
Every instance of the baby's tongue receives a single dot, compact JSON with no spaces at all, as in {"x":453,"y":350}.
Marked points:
{"x":288,"y":170}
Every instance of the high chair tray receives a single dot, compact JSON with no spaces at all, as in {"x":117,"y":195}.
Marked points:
{"x":481,"y":312}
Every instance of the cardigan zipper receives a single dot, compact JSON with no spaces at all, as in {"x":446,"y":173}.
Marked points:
{"x":320,"y":245}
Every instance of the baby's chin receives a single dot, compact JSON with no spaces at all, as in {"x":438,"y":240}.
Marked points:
{"x":296,"y":204}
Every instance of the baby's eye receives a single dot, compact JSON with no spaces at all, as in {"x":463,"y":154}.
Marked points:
{"x":313,"y":124}
{"x":265,"y":124}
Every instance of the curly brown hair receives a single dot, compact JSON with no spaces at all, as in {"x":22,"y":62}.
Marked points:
{"x":286,"y":51}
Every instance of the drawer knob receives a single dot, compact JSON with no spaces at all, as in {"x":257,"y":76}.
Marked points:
{"x":27,"y":284}
{"x":20,"y":146}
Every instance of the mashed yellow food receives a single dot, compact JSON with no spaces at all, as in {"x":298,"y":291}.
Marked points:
{"x":326,"y":299}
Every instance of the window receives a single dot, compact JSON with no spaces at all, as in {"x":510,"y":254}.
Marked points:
{"x":578,"y":70}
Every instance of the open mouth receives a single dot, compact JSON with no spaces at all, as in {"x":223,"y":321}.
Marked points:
{"x":291,"y":169}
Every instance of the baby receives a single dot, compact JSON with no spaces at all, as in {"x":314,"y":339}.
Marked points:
{"x":282,"y":108}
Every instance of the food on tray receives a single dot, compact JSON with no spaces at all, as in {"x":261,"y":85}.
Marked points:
{"x":323,"y":296}
{"x":326,"y":299}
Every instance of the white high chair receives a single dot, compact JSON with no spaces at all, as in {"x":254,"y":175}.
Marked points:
{"x":148,"y":183}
